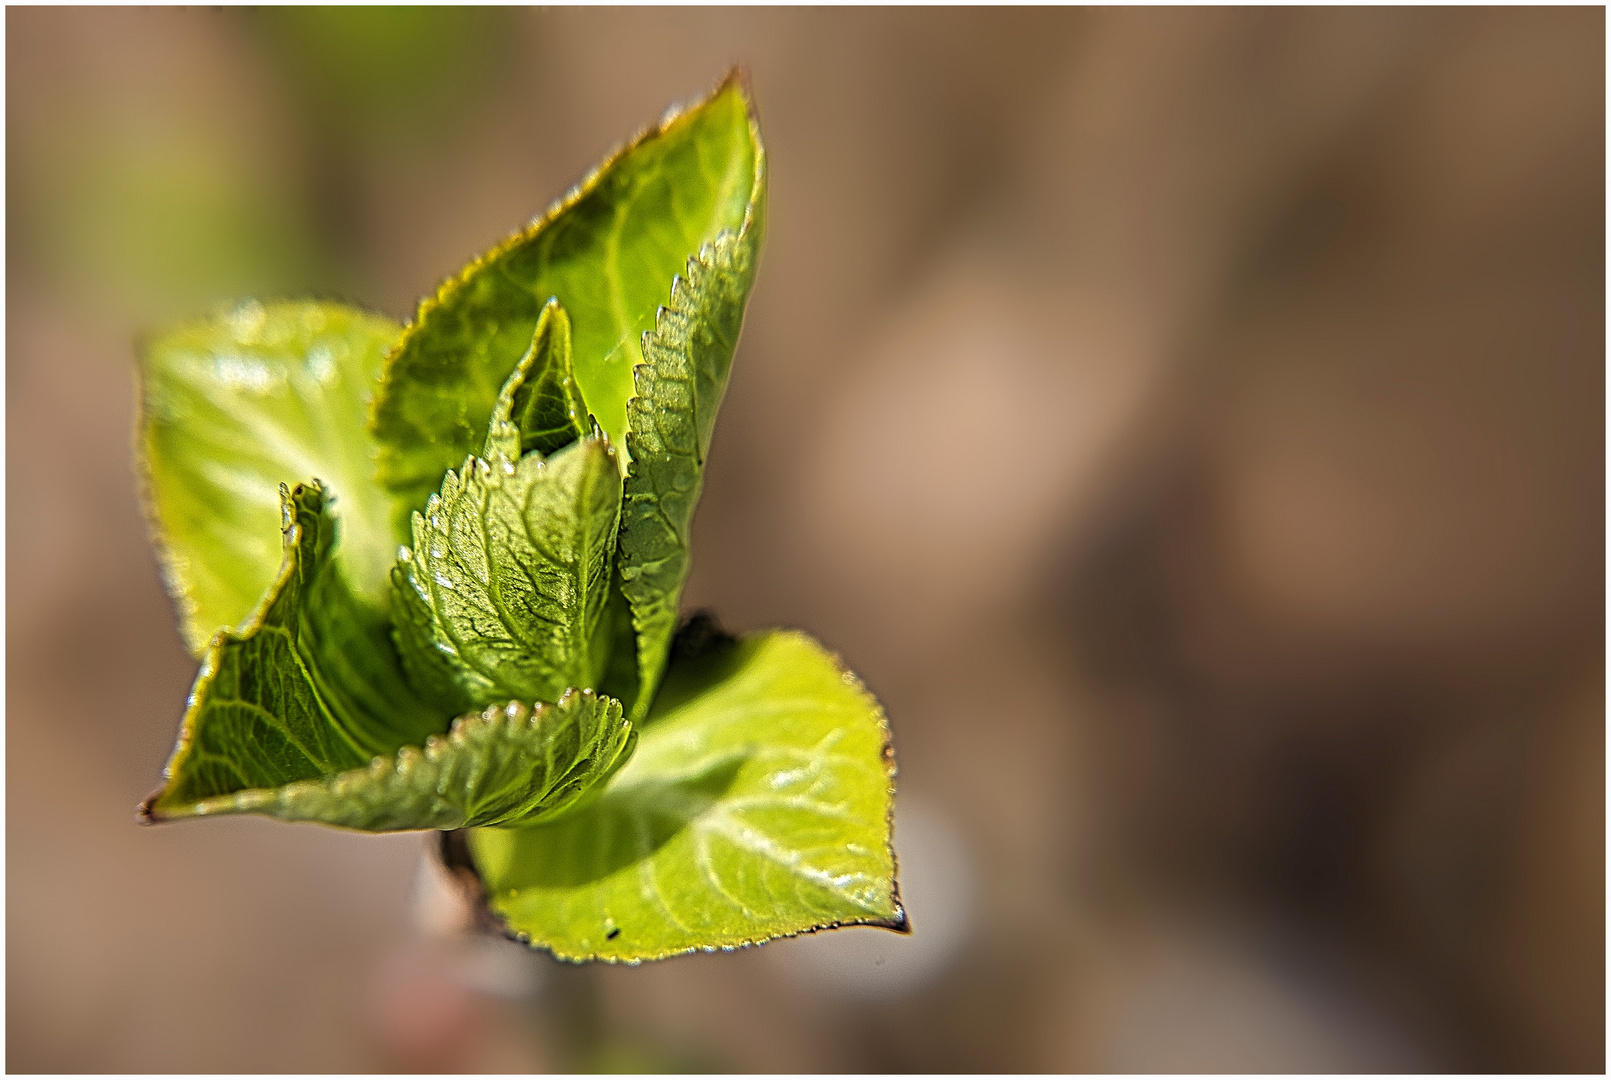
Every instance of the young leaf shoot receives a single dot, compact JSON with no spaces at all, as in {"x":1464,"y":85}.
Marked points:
{"x":434,"y":575}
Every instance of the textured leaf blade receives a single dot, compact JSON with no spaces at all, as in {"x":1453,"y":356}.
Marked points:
{"x":756,"y":806}
{"x":309,"y":685}
{"x":508,"y":765}
{"x":503,"y":594}
{"x":680,"y":387}
{"x":608,"y":251}
{"x":232,"y":407}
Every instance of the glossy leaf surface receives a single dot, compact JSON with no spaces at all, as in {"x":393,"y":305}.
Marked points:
{"x":537,"y":436}
{"x":309,"y":686}
{"x":508,"y":765}
{"x":608,"y":251}
{"x":503,"y":593}
{"x":757,"y":805}
{"x":234,"y":406}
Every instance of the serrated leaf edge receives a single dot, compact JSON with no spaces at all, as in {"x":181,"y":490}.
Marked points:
{"x":402,"y":763}
{"x":730,"y":247}
{"x":491,"y":473}
{"x":735,"y":79}
{"x":754,"y":223}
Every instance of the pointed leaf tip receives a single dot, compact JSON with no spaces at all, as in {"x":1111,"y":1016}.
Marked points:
{"x":607,"y":251}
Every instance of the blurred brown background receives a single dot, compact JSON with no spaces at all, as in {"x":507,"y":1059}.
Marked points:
{"x":1191,"y":423}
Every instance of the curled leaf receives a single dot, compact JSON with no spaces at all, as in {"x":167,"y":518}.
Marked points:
{"x":309,"y":686}
{"x":509,"y":765}
{"x":233,"y":406}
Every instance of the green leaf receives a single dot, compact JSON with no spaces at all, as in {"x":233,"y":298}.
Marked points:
{"x":308,"y":687}
{"x":234,"y":406}
{"x":503,"y":594}
{"x":669,"y":424}
{"x":508,"y":765}
{"x":756,"y":806}
{"x":608,"y":251}
{"x":540,"y":410}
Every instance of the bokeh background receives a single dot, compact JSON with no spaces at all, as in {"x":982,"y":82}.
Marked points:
{"x":1191,"y":424}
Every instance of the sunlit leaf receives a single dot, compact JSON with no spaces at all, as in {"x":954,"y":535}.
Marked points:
{"x":607,"y":251}
{"x":757,"y":805}
{"x":537,"y":439}
{"x":237,"y":404}
{"x":503,"y":594}
{"x":669,"y":424}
